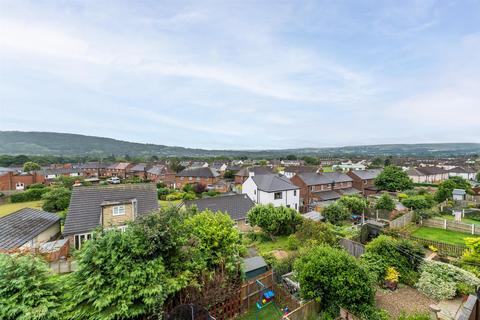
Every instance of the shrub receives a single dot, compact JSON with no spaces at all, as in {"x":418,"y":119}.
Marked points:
{"x":163,"y":192}
{"x":393,"y":178}
{"x":385,"y":202}
{"x":292,"y":242}
{"x":321,"y":233}
{"x":175,"y":196}
{"x":189,"y":196}
{"x":161,"y":185}
{"x":27,"y":291}
{"x":56,"y":199}
{"x":419,"y":202}
{"x":441,"y":281}
{"x":384,"y":252}
{"x":36,"y":186}
{"x":354,"y":203}
{"x":415,"y":316}
{"x":274,"y":220}
{"x":336,"y":213}
{"x":28,"y":195}
{"x":392,"y":274}
{"x":334,"y":279}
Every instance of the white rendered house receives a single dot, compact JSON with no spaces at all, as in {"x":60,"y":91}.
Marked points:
{"x":272,"y":189}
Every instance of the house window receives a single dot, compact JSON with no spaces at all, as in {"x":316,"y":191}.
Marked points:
{"x":190,"y":178}
{"x":122,"y":228}
{"x":277,"y":195}
{"x":296,"y":206}
{"x":81,"y":238}
{"x":254,"y":191}
{"x":118,"y":210}
{"x":294,"y":193}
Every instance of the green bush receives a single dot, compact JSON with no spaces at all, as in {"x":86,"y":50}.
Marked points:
{"x":415,"y":316}
{"x":334,"y":279}
{"x":336,"y":212}
{"x":28,"y":195}
{"x":321,"y":233}
{"x":56,"y":199}
{"x":189,"y":196}
{"x":274,"y":221}
{"x":384,"y":251}
{"x":163,"y":192}
{"x":292,"y":242}
{"x":175,"y":196}
{"x":36,"y":186}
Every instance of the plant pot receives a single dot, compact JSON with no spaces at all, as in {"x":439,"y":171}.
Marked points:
{"x":392,"y":285}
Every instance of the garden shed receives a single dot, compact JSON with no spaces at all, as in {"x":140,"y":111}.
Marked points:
{"x":254,"y":266}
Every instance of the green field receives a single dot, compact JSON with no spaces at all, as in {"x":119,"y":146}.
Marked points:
{"x":8,"y":208}
{"x":441,"y":235}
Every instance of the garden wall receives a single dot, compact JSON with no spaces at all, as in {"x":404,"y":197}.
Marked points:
{"x":353,"y":248}
{"x":443,"y":248}
{"x":451,"y":225}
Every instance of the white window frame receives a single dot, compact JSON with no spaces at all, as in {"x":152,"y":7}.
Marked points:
{"x":77,"y":239}
{"x":118,"y":210}
{"x":275,"y":195}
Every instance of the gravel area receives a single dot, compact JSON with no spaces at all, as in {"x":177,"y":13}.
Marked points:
{"x":403,"y":299}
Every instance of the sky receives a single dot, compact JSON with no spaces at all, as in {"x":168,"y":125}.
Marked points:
{"x":244,"y":74}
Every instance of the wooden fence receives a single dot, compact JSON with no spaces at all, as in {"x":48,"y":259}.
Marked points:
{"x":403,"y":221}
{"x":248,"y":295}
{"x":443,"y":248}
{"x":353,"y":248}
{"x":309,"y":309}
{"x":451,"y":225}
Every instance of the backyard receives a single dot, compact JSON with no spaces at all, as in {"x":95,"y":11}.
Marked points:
{"x":464,"y":220}
{"x":441,"y":235}
{"x":270,"y":312}
{"x":8,"y":208}
{"x":166,"y":203}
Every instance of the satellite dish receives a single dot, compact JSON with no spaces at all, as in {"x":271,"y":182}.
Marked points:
{"x":189,"y":312}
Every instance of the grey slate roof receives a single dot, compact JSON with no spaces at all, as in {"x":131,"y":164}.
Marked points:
{"x":253,"y":263}
{"x":349,"y":191}
{"x":23,"y":225}
{"x":368,"y":174}
{"x":459,"y":192}
{"x":311,"y":178}
{"x":157,"y":170}
{"x":85,"y":204}
{"x":259,"y":170}
{"x":139,"y":167}
{"x":237,"y":206}
{"x":273,"y":183}
{"x":426,"y":171}
{"x":313,"y":215}
{"x":462,"y":170}
{"x":198,"y":172}
{"x":94,"y":165}
{"x":327,"y":195}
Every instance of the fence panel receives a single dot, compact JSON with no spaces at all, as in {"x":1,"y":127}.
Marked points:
{"x":402,"y":221}
{"x":353,"y":248}
{"x":451,"y":225}
{"x":443,"y":248}
{"x":304,"y":311}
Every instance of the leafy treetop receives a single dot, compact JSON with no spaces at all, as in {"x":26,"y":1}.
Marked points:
{"x":393,"y":178}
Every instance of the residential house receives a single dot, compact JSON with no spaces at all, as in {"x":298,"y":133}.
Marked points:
{"x":466,"y":173}
{"x":163,"y":174}
{"x":319,"y":189}
{"x":28,"y":229}
{"x":51,"y":174}
{"x":94,"y":169}
{"x":288,"y":163}
{"x":220,"y":167}
{"x":106,"y":207}
{"x":427,"y":174}
{"x":273,"y":189}
{"x":364,"y":180}
{"x":350,"y":165}
{"x":204,"y":175}
{"x":289,"y":172}
{"x":236,"y":206}
{"x":246,"y":172}
{"x":139,"y":170}
{"x":198,"y":164}
{"x":10,"y":180}
{"x":118,"y":169}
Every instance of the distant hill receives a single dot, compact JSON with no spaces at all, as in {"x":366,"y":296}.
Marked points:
{"x":66,"y":144}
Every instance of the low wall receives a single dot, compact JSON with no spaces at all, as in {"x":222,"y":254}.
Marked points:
{"x":353,"y":248}
{"x":451,"y":225}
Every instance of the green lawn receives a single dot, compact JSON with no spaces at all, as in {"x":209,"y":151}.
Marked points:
{"x":8,"y":208}
{"x":270,"y":312}
{"x":327,"y":169}
{"x":166,"y":204}
{"x":464,"y":220}
{"x":441,"y":235}
{"x":265,"y":246}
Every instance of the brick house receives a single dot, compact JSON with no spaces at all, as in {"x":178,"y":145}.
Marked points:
{"x":204,"y":175}
{"x":364,"y":180}
{"x":246,"y":172}
{"x":19,"y":181}
{"x":51,"y":174}
{"x":322,"y":188}
{"x":94,"y":169}
{"x":161,"y":173}
{"x":118,"y":169}
{"x":139,"y":170}
{"x":289,"y":172}
{"x":106,"y":207}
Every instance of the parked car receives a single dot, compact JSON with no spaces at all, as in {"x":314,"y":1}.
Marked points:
{"x":114,"y":180}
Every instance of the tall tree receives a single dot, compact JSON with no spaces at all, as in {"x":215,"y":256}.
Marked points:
{"x":445,"y":188}
{"x":31,"y":166}
{"x":393,"y":178}
{"x":274,"y":220}
{"x":336,"y":212}
{"x":385,"y":202}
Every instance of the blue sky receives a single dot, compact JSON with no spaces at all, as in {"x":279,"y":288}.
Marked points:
{"x":243,"y":74}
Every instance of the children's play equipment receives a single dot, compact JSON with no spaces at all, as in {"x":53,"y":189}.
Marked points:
{"x":267,"y":297}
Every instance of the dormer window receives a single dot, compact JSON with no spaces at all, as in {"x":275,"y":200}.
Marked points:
{"x":118,"y":210}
